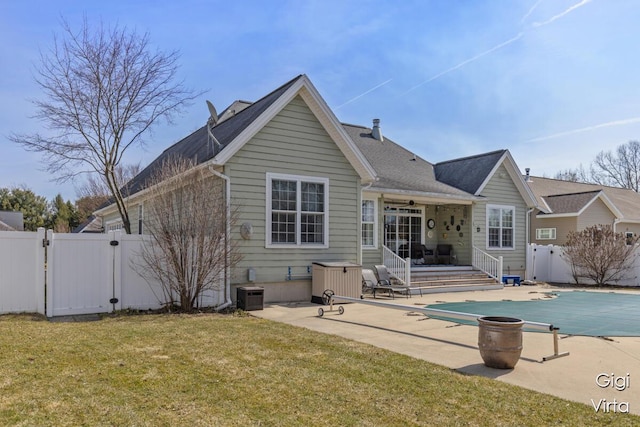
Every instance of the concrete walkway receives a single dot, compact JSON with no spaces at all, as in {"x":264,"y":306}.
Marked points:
{"x":574,"y":377}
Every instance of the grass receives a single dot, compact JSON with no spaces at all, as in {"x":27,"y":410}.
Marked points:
{"x":210,"y":370}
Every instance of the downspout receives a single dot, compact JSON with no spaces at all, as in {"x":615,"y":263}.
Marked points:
{"x":227,"y":275}
{"x":615,"y":223}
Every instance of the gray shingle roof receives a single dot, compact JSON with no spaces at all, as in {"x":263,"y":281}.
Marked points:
{"x":197,"y":146}
{"x":627,"y":201}
{"x":93,"y":224}
{"x":570,"y":203}
{"x":468,"y":173}
{"x":396,"y":167}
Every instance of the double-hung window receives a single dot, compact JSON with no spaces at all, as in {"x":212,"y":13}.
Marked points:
{"x":114,"y":225}
{"x":297,"y":211}
{"x":500,"y":227}
{"x":545,"y":233}
{"x":369,"y":234}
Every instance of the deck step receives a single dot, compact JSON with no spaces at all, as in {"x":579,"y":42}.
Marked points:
{"x":423,"y":290}
{"x":436,"y":280}
{"x":461,"y":281}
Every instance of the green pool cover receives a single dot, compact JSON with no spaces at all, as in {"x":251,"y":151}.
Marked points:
{"x":575,"y":313}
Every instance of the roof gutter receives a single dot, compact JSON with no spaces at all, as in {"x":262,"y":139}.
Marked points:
{"x":227,"y":273}
{"x":437,"y":197}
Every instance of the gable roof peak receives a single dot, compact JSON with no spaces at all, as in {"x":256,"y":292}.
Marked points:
{"x":475,"y":156}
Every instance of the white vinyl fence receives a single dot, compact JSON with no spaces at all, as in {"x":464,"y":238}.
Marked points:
{"x":21,"y":272}
{"x":546,"y":263}
{"x":83,"y":274}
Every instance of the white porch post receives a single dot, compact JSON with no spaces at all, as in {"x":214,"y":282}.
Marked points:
{"x":500,"y":262}
{"x":407,"y":271}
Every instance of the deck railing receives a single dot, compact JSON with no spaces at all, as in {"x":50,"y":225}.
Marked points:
{"x":488,"y":264}
{"x":399,"y":267}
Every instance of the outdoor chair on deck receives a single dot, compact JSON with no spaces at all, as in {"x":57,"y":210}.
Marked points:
{"x":419,"y":253}
{"x":385,"y":278}
{"x":444,"y":252}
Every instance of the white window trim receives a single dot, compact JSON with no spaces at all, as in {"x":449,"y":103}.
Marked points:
{"x":500,"y":248}
{"x":552,"y":232}
{"x":113,"y":225}
{"x":298,"y":178}
{"x":628,"y":235}
{"x":375,"y":223}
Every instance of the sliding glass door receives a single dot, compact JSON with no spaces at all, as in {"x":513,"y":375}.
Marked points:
{"x":402,"y":229}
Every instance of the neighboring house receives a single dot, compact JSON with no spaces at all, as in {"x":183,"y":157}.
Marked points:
{"x":565,"y":206}
{"x":311,"y":189}
{"x":11,"y":221}
{"x":93,"y":224}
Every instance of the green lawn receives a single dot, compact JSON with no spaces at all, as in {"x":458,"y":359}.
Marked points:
{"x":210,"y":370}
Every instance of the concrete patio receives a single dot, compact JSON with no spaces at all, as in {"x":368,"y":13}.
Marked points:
{"x":445,"y":343}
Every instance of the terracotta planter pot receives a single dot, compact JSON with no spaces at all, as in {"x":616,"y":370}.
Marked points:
{"x":500,"y":341}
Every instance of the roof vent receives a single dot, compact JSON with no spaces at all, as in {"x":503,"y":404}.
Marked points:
{"x":527,"y":178}
{"x":376,"y":132}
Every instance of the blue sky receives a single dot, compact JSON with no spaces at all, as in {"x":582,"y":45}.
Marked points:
{"x":553,"y":81}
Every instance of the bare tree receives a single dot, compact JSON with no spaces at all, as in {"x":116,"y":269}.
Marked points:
{"x":599,"y":254}
{"x":94,"y":186}
{"x":619,"y":169}
{"x":187,"y":218}
{"x":573,"y":175}
{"x":103,"y":90}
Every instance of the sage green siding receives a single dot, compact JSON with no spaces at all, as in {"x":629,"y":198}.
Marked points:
{"x":370,"y":256}
{"x":293,"y":142}
{"x":501,"y":190}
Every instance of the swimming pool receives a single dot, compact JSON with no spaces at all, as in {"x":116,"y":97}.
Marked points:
{"x":575,"y":312}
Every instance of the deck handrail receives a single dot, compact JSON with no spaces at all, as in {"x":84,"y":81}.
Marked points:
{"x":399,"y":267}
{"x":487,"y":263}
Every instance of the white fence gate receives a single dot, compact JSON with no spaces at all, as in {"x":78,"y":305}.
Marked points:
{"x":83,"y":274}
{"x":90,"y":287}
{"x":21,"y":272}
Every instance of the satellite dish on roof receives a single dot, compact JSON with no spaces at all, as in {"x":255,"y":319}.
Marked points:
{"x":213,"y":120}
{"x":213,"y":112}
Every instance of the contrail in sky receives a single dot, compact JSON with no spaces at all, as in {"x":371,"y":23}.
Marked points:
{"x":530,"y":11}
{"x":560,"y":15}
{"x":481,"y":55}
{"x":503,"y":44}
{"x":588,"y":128}
{"x":463,"y":63}
{"x":363,"y":94}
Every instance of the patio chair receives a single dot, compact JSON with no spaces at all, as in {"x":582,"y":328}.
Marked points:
{"x":385,"y":278}
{"x":419,"y":253}
{"x":429,"y":256}
{"x":444,"y":252}
{"x":370,"y":283}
